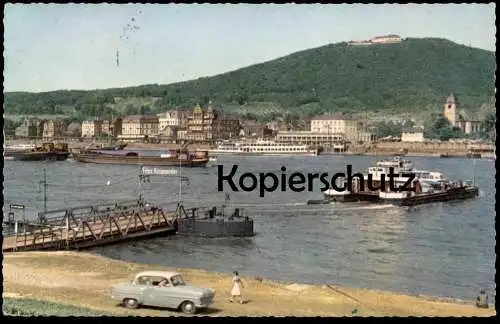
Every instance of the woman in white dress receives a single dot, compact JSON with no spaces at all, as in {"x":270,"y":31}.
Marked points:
{"x":237,"y":286}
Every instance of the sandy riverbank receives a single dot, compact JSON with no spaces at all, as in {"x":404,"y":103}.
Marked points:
{"x":84,"y":280}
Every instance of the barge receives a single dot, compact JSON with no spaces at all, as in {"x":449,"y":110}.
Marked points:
{"x":408,"y":199}
{"x":454,"y":191}
{"x":47,"y":152}
{"x":214,"y":223}
{"x":182,"y":158}
{"x":424,"y":187}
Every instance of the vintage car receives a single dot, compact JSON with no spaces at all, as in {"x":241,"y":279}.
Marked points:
{"x":162,"y":289}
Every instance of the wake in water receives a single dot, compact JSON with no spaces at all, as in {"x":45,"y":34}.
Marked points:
{"x":338,"y":206}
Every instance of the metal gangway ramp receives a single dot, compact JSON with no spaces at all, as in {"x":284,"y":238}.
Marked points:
{"x":90,"y":226}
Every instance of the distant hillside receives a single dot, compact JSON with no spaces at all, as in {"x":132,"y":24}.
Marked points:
{"x":412,"y":76}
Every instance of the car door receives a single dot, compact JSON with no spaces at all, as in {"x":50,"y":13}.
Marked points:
{"x":159,"y":296}
{"x":148,"y":292}
{"x":163,"y":296}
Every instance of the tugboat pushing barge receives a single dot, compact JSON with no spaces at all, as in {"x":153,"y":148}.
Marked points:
{"x":427,"y":187}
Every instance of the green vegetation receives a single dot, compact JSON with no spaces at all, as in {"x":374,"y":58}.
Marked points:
{"x":489,"y":129}
{"x":10,"y":126}
{"x":441,"y":129}
{"x":413,"y":76}
{"x":488,"y":115}
{"x":32,"y":307}
{"x":384,"y":129}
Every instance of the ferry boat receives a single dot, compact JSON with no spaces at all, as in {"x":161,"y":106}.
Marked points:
{"x":262,"y":147}
{"x":425,"y":187}
{"x":376,"y":172}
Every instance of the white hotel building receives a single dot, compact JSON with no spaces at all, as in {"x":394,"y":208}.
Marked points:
{"x":326,"y":130}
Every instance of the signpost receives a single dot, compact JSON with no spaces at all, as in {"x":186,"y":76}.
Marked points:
{"x":146,"y":172}
{"x":18,"y":207}
{"x":12,"y":218}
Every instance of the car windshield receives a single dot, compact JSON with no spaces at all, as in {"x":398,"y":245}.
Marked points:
{"x":177,"y":281}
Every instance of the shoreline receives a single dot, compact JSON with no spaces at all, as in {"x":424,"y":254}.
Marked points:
{"x":84,"y":280}
{"x":382,"y":151}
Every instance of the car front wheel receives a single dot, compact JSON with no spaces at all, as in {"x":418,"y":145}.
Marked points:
{"x":131,"y":303}
{"x":188,"y":307}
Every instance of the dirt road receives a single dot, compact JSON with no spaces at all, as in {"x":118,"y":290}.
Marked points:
{"x":85,"y":280}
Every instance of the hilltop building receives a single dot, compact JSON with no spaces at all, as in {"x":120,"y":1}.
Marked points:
{"x":387,"y":39}
{"x":457,"y":119}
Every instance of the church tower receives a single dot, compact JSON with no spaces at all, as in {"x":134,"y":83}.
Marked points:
{"x":450,"y":109}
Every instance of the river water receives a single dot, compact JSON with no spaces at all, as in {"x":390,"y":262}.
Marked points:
{"x":445,"y":249}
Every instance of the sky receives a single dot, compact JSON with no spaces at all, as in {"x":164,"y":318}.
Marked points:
{"x":74,"y":46}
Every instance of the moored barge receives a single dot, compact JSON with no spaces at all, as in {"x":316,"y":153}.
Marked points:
{"x":47,"y":152}
{"x":182,"y":158}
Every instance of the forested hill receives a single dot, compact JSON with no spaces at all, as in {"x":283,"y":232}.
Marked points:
{"x":417,"y":74}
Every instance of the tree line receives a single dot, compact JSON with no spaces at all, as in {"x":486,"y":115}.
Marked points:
{"x":415,"y":74}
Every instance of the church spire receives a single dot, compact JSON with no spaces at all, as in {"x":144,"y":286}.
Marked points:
{"x":451,"y":98}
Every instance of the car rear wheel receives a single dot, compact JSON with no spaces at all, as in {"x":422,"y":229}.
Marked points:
{"x":131,"y":303}
{"x":188,"y":307}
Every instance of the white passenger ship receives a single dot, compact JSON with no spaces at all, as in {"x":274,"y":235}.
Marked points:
{"x":261,"y":147}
